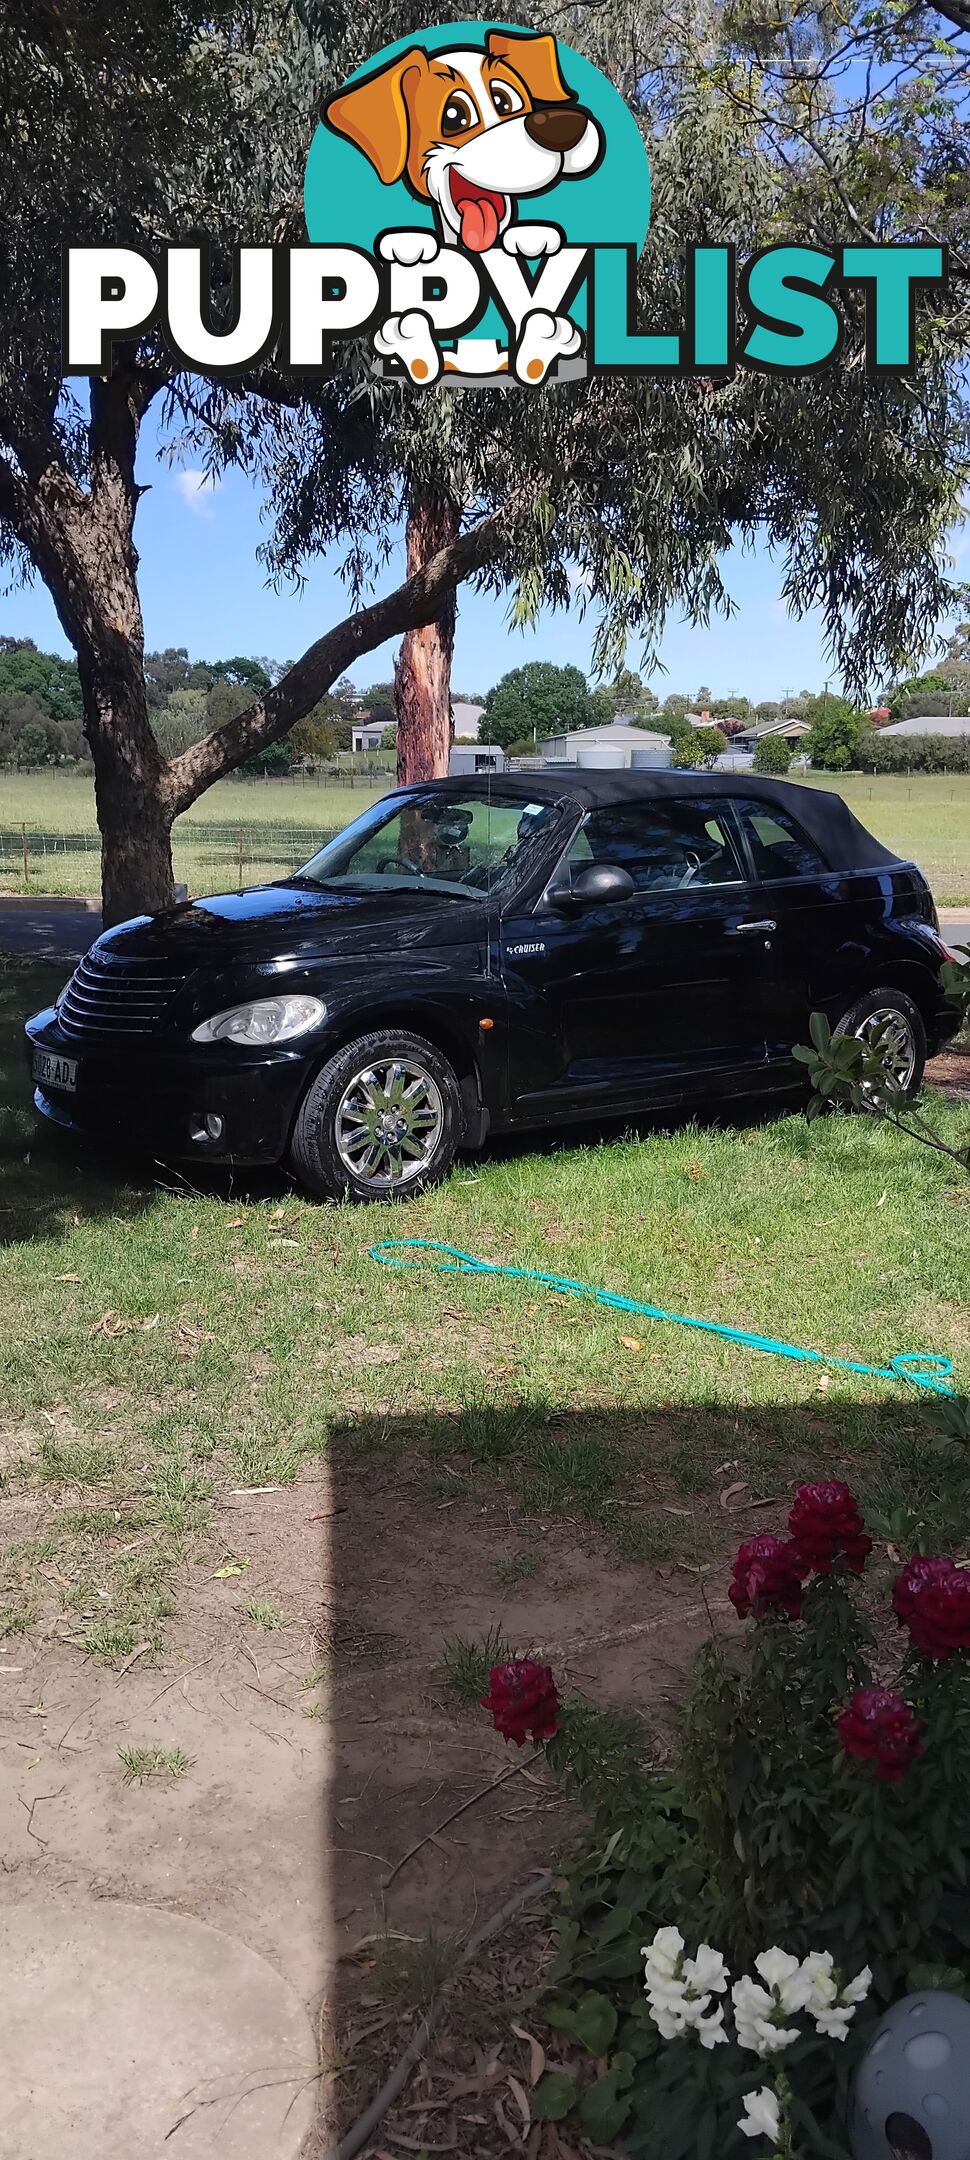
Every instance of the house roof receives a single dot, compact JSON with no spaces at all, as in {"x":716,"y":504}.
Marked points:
{"x":930,"y":724}
{"x":614,"y":735}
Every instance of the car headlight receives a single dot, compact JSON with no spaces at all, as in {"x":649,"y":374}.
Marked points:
{"x":266,"y":1020}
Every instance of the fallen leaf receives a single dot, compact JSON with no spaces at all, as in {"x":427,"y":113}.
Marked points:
{"x":883,"y":1197}
{"x":519,"y":2096}
{"x":230,"y":1567}
{"x":630,"y":1342}
{"x":825,"y":1381}
{"x":67,"y":1278}
{"x":238,"y":1223}
{"x":537,"y":2054}
{"x":696,"y":1172}
{"x":730,"y":1493}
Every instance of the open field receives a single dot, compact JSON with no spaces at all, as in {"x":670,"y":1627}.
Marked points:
{"x":275,"y":825}
{"x":241,"y":832}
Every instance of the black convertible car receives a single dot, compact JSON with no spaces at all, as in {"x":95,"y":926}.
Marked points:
{"x":490,"y":955}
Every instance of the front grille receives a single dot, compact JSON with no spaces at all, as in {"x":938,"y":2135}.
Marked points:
{"x":116,"y":997}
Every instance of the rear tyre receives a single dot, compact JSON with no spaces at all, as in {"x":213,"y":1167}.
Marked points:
{"x":381,"y":1121}
{"x":904,"y":1039}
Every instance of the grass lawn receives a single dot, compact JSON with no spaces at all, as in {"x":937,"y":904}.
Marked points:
{"x":281,"y":823}
{"x":927,"y":817}
{"x":161,"y":1347}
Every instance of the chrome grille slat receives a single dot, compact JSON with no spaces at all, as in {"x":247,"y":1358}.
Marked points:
{"x":113,"y":996}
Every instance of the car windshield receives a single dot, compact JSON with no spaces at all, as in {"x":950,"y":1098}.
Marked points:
{"x":464,"y":846}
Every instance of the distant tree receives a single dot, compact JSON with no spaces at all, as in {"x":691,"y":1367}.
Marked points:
{"x":54,"y":681}
{"x":769,"y":710}
{"x":772,"y":754}
{"x":837,"y":732}
{"x":539,"y":695}
{"x":251,"y":673}
{"x":274,"y":760}
{"x":733,"y":708}
{"x":389,"y":739}
{"x":675,"y":705}
{"x":318,"y":736}
{"x":698,"y":746}
{"x":703,"y":700}
{"x":180,"y":721}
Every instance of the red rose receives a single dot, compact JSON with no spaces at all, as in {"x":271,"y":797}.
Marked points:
{"x":766,"y":1578}
{"x":826,"y":1525}
{"x":523,"y":1700}
{"x":879,"y":1727}
{"x":931,"y":1598}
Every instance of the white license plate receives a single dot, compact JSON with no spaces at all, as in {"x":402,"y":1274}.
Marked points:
{"x":53,"y":1070}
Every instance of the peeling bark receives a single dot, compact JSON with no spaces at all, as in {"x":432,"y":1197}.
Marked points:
{"x":422,"y":676}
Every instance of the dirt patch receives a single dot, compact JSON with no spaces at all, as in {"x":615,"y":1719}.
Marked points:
{"x":951,"y":1071}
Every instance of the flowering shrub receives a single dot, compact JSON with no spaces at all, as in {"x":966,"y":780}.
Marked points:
{"x":523,"y":1701}
{"x":766,"y":1578}
{"x":931,"y":1598}
{"x":812,"y":1802}
{"x":879,"y":1727}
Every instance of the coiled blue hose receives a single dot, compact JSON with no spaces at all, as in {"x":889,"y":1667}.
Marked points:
{"x":921,"y":1371}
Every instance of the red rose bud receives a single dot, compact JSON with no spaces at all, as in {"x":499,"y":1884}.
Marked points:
{"x":826,"y":1526}
{"x":766,"y":1578}
{"x":931,"y":1599}
{"x":523,"y":1701}
{"x":879,"y":1727}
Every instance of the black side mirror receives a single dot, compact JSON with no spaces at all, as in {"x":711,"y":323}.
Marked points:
{"x":596,"y":886}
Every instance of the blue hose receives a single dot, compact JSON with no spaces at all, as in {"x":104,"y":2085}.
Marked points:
{"x":922,"y":1371}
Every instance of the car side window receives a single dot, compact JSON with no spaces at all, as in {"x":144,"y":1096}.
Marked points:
{"x":778,"y":844}
{"x":667,"y":846}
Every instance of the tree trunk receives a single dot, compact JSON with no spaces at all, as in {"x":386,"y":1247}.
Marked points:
{"x":422,"y":676}
{"x":130,"y":792}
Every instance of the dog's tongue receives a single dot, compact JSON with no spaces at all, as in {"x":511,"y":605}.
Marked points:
{"x":479,"y":223}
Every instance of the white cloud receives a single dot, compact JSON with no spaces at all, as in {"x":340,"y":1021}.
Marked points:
{"x":197,"y":489}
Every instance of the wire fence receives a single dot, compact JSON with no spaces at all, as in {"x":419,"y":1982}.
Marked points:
{"x":207,"y":858}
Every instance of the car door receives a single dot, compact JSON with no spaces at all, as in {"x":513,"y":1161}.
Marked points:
{"x":818,"y":923}
{"x":659,"y":995}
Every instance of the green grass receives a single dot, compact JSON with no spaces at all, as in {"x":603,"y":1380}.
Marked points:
{"x":926,"y":817}
{"x":266,"y":1615}
{"x":467,"y":1665}
{"x":141,"y":1764}
{"x":118,"y":1445}
{"x":281,"y":823}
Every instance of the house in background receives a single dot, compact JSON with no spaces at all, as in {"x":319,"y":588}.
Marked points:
{"x":931,"y":724}
{"x":792,"y":731}
{"x":369,"y":734}
{"x":610,"y":748}
{"x":477,"y":757}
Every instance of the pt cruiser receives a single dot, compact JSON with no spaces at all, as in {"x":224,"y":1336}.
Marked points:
{"x":494,"y":956}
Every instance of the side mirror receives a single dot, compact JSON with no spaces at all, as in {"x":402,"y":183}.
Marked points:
{"x":596,"y":886}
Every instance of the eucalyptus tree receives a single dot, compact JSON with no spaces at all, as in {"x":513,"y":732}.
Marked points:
{"x":621,"y":494}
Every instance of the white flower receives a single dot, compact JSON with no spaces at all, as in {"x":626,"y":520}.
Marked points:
{"x":834,"y":2024}
{"x":706,"y":1974}
{"x":791,"y":1983}
{"x":819,"y":1966}
{"x":710,"y":2030}
{"x":858,"y":1988}
{"x":762,"y":2115}
{"x":664,"y":1954}
{"x":755,"y":2015}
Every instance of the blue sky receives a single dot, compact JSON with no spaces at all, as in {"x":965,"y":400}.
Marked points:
{"x":203,"y":587}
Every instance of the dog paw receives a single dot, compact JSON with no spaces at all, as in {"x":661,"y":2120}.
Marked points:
{"x":409,"y":338}
{"x":544,"y":338}
{"x":408,"y":247}
{"x":532,"y":240}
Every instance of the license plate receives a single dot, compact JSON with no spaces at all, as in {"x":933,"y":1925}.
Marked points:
{"x":54,"y":1071}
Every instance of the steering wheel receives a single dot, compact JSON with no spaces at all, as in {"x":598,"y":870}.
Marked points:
{"x":397,"y":862}
{"x":692,"y":863}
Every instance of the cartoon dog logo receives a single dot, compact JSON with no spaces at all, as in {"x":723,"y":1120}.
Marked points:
{"x":472,"y":133}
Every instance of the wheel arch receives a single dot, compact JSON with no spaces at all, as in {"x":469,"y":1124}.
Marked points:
{"x":443,"y":1034}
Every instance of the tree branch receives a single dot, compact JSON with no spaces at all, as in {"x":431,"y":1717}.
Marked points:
{"x":414,"y":602}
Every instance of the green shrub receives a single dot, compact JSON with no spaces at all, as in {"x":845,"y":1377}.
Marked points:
{"x":772,"y":754}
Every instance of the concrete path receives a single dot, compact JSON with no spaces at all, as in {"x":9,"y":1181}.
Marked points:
{"x":128,"y":2030}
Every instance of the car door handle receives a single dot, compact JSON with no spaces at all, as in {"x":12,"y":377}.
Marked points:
{"x":744,"y":929}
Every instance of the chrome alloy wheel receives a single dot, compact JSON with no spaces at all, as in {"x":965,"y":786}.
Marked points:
{"x":897,"y":1045}
{"x":389,"y":1124}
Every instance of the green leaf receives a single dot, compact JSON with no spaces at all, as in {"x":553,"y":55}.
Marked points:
{"x":554,"y":2095}
{"x":603,"y":2109}
{"x":820,"y":1031}
{"x":595,"y":2021}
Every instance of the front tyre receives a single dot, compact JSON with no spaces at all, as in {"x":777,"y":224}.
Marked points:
{"x":903,"y":1035}
{"x":381,"y":1121}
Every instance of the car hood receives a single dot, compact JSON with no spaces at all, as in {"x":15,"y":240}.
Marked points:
{"x":293,"y":921}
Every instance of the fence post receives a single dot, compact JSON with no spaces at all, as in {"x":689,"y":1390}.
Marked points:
{"x":23,"y":836}
{"x":240,"y":858}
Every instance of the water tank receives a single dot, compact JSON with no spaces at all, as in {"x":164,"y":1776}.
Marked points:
{"x":650,"y":760}
{"x":600,"y":760}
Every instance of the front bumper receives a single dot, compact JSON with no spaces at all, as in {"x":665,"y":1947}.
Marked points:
{"x":150,"y":1092}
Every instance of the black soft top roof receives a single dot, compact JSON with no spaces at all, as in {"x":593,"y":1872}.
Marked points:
{"x":839,"y":837}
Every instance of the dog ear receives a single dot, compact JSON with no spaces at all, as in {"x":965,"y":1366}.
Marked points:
{"x":374,"y":114}
{"x":536,"y":60}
